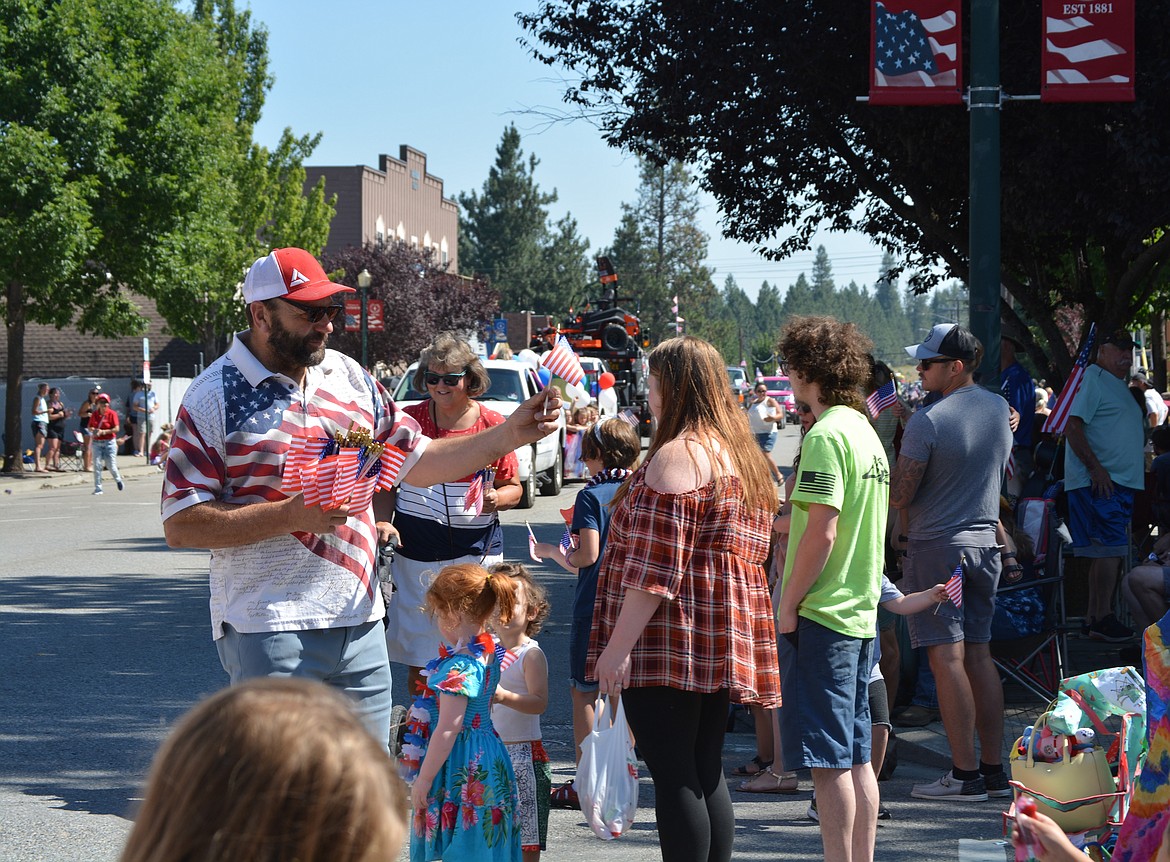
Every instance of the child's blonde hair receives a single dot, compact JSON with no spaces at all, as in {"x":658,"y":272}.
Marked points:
{"x":536,"y":594}
{"x":271,"y":769}
{"x":472,"y":592}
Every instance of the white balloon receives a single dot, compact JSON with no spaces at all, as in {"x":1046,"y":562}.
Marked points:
{"x":607,"y":402}
{"x":530,"y":357}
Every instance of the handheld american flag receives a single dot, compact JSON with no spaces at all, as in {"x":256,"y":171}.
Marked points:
{"x":954,"y":586}
{"x":473,"y":500}
{"x":1058,"y":418}
{"x":532,"y":544}
{"x":563,"y":362}
{"x":881,"y":398}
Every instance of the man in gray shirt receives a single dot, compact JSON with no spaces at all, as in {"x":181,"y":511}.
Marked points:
{"x":946,"y":486}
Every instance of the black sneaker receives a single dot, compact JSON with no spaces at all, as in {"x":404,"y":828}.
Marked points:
{"x":997,"y":784}
{"x":120,"y":485}
{"x":883,"y":812}
{"x":1110,"y":630}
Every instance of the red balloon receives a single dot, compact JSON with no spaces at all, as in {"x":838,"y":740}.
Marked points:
{"x":606,"y":380}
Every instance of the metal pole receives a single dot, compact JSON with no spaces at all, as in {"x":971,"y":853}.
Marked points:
{"x":365,"y":358}
{"x":984,"y":215}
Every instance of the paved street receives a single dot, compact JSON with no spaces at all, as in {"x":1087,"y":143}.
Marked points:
{"x":108,"y":640}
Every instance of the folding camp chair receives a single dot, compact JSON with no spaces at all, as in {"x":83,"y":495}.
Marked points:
{"x":1030,"y":631}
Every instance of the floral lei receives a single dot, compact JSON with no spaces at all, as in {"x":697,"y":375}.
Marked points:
{"x":418,"y":718}
{"x":613,"y":474}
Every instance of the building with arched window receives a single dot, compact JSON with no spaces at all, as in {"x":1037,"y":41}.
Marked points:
{"x":398,"y":201}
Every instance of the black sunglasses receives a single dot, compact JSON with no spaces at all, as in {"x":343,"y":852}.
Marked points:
{"x":433,"y":379}
{"x":316,"y":313}
{"x":926,"y":363}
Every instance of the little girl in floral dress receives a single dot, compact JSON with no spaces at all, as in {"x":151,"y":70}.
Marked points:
{"x":463,"y":795}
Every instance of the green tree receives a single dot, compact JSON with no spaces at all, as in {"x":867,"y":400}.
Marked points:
{"x":118,"y":127}
{"x":663,"y":220}
{"x":568,"y":274}
{"x":502,"y":230}
{"x":739,"y":89}
{"x":269,"y":207}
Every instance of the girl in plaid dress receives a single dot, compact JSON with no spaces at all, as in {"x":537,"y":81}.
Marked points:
{"x":683,"y":619}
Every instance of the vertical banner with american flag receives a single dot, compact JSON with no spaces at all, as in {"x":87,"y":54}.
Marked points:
{"x":1087,"y":53}
{"x":1058,"y":418}
{"x":915,"y":52}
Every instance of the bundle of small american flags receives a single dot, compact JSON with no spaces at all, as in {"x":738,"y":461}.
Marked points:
{"x":334,"y":471}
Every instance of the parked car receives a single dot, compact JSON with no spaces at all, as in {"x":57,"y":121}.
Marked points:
{"x":543,"y":463}
{"x":739,"y":382}
{"x":780,"y":388}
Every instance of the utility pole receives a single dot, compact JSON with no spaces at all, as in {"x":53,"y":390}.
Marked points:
{"x":985,"y":100}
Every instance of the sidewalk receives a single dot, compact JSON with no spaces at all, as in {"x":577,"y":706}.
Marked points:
{"x":928,"y":745}
{"x":29,"y":482}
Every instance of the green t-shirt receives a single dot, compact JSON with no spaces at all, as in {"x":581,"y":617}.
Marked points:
{"x":843,"y":465}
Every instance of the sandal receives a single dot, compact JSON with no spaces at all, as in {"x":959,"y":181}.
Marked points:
{"x":753,"y":767}
{"x":1011,"y":573}
{"x":768,"y":781}
{"x":565,"y":796}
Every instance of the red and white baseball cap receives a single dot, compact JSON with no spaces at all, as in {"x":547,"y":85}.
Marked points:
{"x":292,"y":273}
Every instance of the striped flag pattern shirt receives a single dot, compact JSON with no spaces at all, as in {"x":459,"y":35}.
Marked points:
{"x":234,"y":430}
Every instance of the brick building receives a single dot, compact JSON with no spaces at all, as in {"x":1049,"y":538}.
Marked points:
{"x":398,"y":200}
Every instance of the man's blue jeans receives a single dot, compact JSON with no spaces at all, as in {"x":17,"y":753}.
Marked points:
{"x":105,"y":453}
{"x":351,"y":658}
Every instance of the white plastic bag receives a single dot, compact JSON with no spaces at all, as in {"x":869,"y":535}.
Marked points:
{"x":607,"y":778}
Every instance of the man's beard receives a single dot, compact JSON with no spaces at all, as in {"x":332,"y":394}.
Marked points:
{"x":293,"y":350}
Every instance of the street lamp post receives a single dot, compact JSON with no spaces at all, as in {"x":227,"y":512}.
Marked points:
{"x":363,"y":281}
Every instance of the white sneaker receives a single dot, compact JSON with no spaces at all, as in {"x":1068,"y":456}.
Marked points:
{"x":97,"y":491}
{"x":950,"y":788}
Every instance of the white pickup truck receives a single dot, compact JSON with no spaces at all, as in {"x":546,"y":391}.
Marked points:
{"x":542,"y":464}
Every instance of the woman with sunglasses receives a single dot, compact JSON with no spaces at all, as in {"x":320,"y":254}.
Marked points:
{"x":764,"y":415}
{"x":452,"y":522}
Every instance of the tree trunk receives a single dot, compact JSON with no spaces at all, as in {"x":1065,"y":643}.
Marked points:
{"x":15,"y":376}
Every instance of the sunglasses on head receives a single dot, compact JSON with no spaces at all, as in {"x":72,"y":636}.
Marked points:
{"x":926,"y":363}
{"x":315,"y":313}
{"x":433,"y":379}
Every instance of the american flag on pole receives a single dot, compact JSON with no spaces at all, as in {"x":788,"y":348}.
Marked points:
{"x":915,"y":53}
{"x":629,"y":416}
{"x":1058,"y":418}
{"x":473,"y":499}
{"x":532,"y":544}
{"x":1088,"y":52}
{"x":881,"y":398}
{"x":563,"y":362}
{"x":954,"y":586}
{"x":567,"y":542}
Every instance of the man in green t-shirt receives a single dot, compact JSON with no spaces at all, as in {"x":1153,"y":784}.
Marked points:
{"x":832,"y":578}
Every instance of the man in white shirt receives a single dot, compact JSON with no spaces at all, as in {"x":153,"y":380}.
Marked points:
{"x":1155,"y":407}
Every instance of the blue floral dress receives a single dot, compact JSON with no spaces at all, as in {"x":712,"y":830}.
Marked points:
{"x":472,"y":808}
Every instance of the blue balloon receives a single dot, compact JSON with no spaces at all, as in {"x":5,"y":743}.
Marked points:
{"x":544,"y":374}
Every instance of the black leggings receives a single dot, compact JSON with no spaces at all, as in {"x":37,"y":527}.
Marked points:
{"x":680,"y":736}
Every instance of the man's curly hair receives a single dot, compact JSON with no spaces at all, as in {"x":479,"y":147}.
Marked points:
{"x":830,"y":353}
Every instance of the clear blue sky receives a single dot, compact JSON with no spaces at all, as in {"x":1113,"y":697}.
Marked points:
{"x":446,"y":77}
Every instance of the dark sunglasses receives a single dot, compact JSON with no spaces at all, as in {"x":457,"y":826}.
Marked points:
{"x":784,"y":368}
{"x":803,"y":408}
{"x":316,"y":313}
{"x":433,"y":379}
{"x":926,"y":363}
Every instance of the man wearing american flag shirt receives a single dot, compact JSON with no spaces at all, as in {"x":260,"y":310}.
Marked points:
{"x":946,"y":487}
{"x":293,"y":590}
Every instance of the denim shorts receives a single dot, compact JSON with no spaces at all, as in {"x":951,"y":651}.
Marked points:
{"x":824,"y":717}
{"x":41,"y":428}
{"x":1098,"y":524}
{"x":767,"y":440}
{"x":578,"y":649}
{"x":930,"y":563}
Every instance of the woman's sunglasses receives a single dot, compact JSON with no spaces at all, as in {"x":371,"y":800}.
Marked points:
{"x":433,"y":379}
{"x":315,"y":313}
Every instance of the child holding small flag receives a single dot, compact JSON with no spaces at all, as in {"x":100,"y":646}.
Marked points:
{"x":610,"y":449}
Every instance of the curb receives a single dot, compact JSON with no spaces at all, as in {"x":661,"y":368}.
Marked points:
{"x":27,"y":483}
